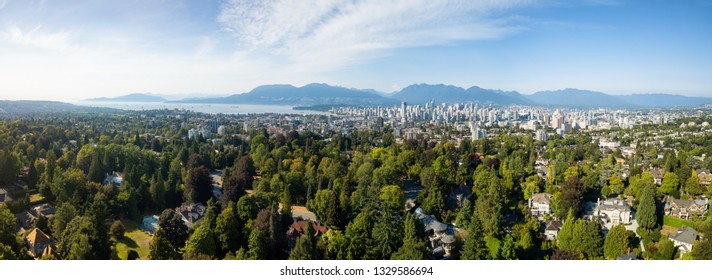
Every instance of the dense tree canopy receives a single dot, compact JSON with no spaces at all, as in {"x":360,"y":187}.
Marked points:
{"x":355,"y":183}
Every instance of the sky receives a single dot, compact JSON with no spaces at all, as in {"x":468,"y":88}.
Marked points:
{"x":76,"y":49}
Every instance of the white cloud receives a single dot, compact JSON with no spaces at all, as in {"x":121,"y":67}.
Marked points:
{"x":36,"y":37}
{"x":331,"y":34}
{"x":206,"y":46}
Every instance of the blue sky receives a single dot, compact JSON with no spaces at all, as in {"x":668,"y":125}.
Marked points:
{"x":71,"y":50}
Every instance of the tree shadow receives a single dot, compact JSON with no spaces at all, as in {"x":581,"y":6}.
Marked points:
{"x":129,"y":242}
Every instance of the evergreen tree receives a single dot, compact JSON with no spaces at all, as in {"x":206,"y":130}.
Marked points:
{"x":565,"y":239}
{"x":96,"y":174}
{"x":647,"y":212}
{"x":464,"y":216}
{"x":414,"y":247}
{"x":434,"y":203}
{"x":257,"y":244}
{"x":174,"y":195}
{"x":616,"y":242}
{"x":589,"y":239}
{"x":474,"y":247}
{"x":158,"y":192}
{"x":32,"y":176}
{"x":304,"y":248}
{"x":386,"y":236}
{"x":228,"y":230}
{"x":201,"y":244}
{"x":489,"y":210}
{"x":49,"y":169}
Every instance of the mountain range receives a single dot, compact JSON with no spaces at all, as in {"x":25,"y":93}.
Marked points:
{"x":323,"y":94}
{"x":134,"y":97}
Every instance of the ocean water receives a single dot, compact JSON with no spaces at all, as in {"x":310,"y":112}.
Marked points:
{"x":202,"y":108}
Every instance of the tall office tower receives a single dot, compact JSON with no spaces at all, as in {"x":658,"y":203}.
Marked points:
{"x":557,"y":120}
{"x":404,"y":108}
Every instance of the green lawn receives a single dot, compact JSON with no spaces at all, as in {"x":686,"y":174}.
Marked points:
{"x":36,"y":199}
{"x":677,"y":222}
{"x":134,"y":239}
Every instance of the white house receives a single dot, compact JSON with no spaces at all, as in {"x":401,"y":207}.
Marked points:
{"x":551,"y":229}
{"x":613,"y":211}
{"x":684,"y":239}
{"x":540,"y":204}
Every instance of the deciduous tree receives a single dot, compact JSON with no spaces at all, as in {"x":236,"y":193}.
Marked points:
{"x":199,"y":186}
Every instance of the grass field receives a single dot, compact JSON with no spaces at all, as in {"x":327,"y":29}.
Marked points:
{"x":677,"y":222}
{"x":134,"y":239}
{"x":36,"y":198}
{"x":668,"y":230}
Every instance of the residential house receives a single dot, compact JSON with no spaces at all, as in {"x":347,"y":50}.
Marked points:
{"x":551,"y":229}
{"x":685,"y":208}
{"x":299,"y":227}
{"x":613,"y":212}
{"x":44,"y":209}
{"x":542,"y":172}
{"x":191,"y":213}
{"x":657,"y":175}
{"x":40,"y":244}
{"x":150,"y":224}
{"x":540,"y":204}
{"x":457,"y":196}
{"x":27,"y":218}
{"x":440,"y":236}
{"x":115,"y":177}
{"x":630,"y":256}
{"x":705,"y":177}
{"x":684,"y":239}
{"x":4,"y":196}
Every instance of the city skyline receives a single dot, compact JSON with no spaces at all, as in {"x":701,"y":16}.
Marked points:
{"x":60,"y":51}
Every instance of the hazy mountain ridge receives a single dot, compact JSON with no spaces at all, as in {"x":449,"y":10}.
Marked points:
{"x":668,"y":100}
{"x":311,"y":94}
{"x":15,"y":108}
{"x":571,"y":97}
{"x":591,"y":99}
{"x":133,"y":97}
{"x":324,"y":94}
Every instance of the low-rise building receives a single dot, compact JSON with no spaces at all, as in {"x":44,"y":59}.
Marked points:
{"x":685,"y":208}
